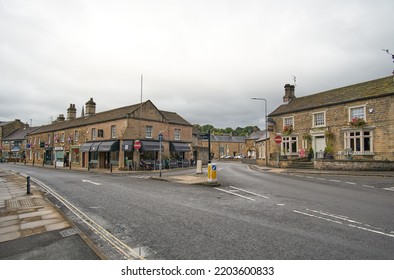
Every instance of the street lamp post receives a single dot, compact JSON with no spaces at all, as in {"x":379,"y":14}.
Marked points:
{"x":160,"y":141}
{"x":266,"y":128}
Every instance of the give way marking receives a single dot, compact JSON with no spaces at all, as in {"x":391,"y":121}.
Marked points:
{"x":91,"y":182}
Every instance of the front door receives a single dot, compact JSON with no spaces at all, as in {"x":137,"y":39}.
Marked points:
{"x":320,"y":145}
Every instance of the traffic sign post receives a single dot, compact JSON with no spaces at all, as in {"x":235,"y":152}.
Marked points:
{"x":278,"y":140}
{"x":211,"y":173}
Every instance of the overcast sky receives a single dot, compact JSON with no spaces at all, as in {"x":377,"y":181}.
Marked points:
{"x":203,"y":59}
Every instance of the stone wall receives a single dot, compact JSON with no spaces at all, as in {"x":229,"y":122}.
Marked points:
{"x":354,"y":165}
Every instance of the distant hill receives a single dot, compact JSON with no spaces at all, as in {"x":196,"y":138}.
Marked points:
{"x":239,"y":131}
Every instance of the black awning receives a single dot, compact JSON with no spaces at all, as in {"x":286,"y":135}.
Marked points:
{"x":95,"y":146}
{"x":86,"y":147}
{"x":179,"y":147}
{"x":110,"y":146}
{"x":127,"y":145}
{"x":151,"y":146}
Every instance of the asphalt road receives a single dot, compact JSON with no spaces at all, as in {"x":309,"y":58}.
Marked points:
{"x":253,"y":215}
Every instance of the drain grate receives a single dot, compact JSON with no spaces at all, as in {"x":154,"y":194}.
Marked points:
{"x":69,"y":232}
{"x":18,"y":203}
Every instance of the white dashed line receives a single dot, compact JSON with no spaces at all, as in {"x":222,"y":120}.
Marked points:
{"x":336,"y":181}
{"x":252,"y":193}
{"x":389,"y":189}
{"x":367,"y":186}
{"x":371,"y":230}
{"x":235,"y":194}
{"x":350,"y":183}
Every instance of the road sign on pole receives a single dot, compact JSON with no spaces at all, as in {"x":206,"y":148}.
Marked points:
{"x":137,"y":145}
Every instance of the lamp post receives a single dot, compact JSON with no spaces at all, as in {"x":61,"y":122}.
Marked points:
{"x":266,"y":128}
{"x":160,"y":140}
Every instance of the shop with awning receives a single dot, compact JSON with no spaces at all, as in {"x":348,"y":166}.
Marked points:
{"x":178,"y":150}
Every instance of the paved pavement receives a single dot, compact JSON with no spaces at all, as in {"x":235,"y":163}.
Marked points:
{"x":31,"y":227}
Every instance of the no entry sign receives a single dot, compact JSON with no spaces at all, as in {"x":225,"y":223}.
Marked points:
{"x":137,"y":145}
{"x":278,"y":139}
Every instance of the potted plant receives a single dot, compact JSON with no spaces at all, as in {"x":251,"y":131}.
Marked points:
{"x":328,"y":152}
{"x":287,"y":129}
{"x":357,"y":122}
{"x":310,"y":154}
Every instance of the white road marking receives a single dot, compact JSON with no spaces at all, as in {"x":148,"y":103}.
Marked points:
{"x":252,"y":193}
{"x":367,"y":186}
{"x":310,"y":177}
{"x":389,"y":189}
{"x":234,"y":194}
{"x":281,"y":204}
{"x":321,"y":179}
{"x":314,"y":216}
{"x":121,"y":247}
{"x":347,"y":219}
{"x":336,"y":181}
{"x":371,"y":230}
{"x":340,"y":217}
{"x":350,"y":183}
{"x":91,"y":182}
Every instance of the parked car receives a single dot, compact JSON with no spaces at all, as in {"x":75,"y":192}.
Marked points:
{"x":240,"y":156}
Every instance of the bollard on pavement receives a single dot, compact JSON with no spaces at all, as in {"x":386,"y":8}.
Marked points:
{"x":28,"y":185}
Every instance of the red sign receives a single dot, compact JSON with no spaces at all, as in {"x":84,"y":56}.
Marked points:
{"x":137,"y":145}
{"x":278,"y":139}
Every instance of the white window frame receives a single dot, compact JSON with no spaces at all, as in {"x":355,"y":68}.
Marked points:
{"x":149,"y":132}
{"x":94,"y":133}
{"x":314,"y":119}
{"x":364,"y":115}
{"x":358,"y":140}
{"x":113,"y":131}
{"x":289,"y":140}
{"x":177,"y":134}
{"x":62,"y":137}
{"x":76,"y":135}
{"x":287,"y":122}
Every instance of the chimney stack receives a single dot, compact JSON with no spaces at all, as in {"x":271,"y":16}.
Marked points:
{"x":289,"y":93}
{"x":71,"y":112}
{"x":90,"y":107}
{"x":60,"y":118}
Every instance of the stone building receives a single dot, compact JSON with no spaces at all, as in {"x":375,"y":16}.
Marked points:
{"x":107,"y":139}
{"x":15,"y":144}
{"x":6,"y":128}
{"x":355,"y":121}
{"x":225,"y":146}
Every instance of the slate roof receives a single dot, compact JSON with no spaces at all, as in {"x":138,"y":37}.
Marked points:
{"x":227,"y":138}
{"x":114,"y":114}
{"x":255,"y":135}
{"x":19,"y":134}
{"x":361,"y":91}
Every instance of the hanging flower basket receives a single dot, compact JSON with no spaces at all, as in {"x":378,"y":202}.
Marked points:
{"x":357,"y":122}
{"x":288,"y":129}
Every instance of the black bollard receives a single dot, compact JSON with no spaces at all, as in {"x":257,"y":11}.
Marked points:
{"x":28,"y":185}
{"x":111,"y":167}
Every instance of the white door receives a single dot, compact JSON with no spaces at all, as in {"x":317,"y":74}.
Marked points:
{"x":320,"y":145}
